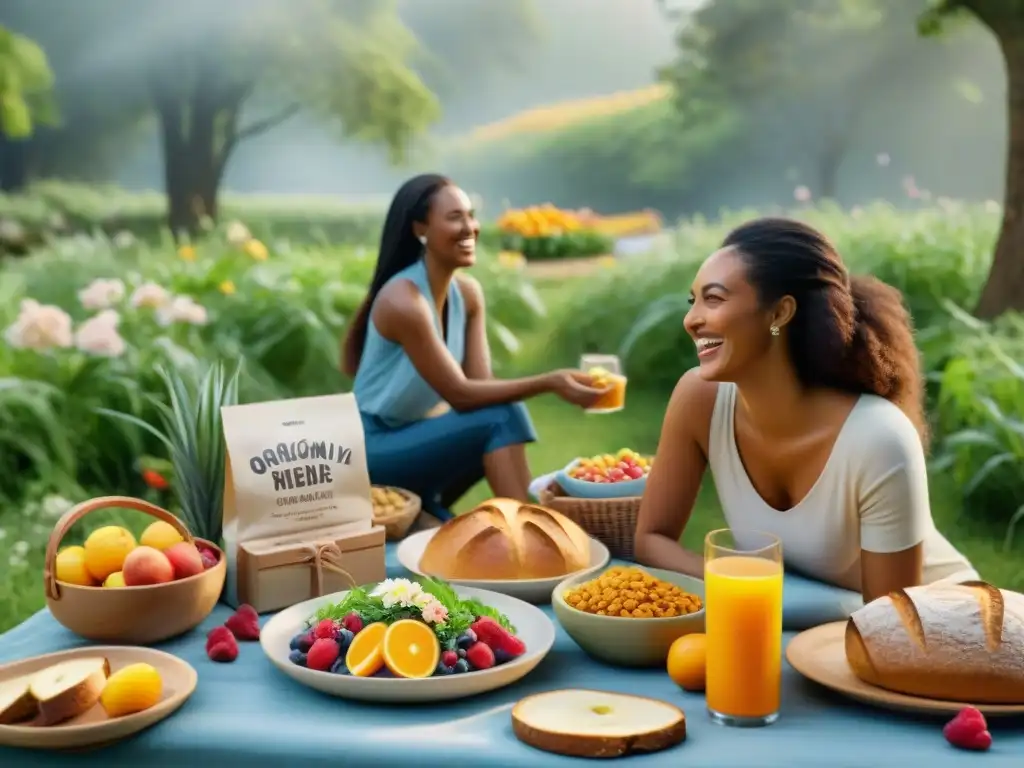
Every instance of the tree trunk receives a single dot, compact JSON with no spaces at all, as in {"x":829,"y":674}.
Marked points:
{"x":13,"y":165}
{"x":1004,"y":289}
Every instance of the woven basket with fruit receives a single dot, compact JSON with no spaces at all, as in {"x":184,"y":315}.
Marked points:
{"x":405,"y":629}
{"x":394,"y":508}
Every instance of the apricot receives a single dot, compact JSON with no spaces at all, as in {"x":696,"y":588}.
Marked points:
{"x":160,"y":535}
{"x":134,"y":688}
{"x":185,"y":559}
{"x":71,"y":567}
{"x":106,"y":549}
{"x":145,"y":565}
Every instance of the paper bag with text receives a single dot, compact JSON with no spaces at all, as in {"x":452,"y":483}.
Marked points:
{"x":293,"y":467}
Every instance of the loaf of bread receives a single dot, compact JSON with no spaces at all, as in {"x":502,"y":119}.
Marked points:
{"x":504,"y":539}
{"x":957,"y":642}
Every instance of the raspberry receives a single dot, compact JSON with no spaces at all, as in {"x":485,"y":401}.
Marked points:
{"x":480,"y":656}
{"x":218,"y":635}
{"x":353,"y":622}
{"x":449,"y":658}
{"x":325,"y":629}
{"x":968,"y":730}
{"x":243,"y":626}
{"x":221,"y":645}
{"x":247,"y":610}
{"x":323,"y":654}
{"x":489,"y":631}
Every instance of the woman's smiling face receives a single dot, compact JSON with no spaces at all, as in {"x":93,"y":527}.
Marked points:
{"x":726,"y":320}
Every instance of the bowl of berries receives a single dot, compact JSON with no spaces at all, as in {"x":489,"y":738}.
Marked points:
{"x":606,"y":476}
{"x":404,"y":641}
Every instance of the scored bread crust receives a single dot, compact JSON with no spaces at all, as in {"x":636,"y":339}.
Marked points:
{"x":505,"y":539}
{"x":955,"y":642}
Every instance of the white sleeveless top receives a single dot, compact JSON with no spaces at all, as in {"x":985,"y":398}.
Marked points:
{"x":871,"y":495}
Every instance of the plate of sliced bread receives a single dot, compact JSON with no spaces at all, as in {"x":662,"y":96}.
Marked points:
{"x":932,"y":649}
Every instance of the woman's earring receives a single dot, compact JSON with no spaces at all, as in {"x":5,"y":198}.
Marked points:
{"x":774,"y":330}
{"x":422,"y":239}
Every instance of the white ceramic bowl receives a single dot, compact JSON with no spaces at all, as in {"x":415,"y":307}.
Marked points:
{"x":532,"y":625}
{"x":410,"y":551}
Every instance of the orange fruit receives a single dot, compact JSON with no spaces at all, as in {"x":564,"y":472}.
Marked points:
{"x":687,"y":660}
{"x":365,"y":655}
{"x":411,"y":649}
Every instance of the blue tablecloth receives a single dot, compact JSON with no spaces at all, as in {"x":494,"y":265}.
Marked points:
{"x":249,"y":714}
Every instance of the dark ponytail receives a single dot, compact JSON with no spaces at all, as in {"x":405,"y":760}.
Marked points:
{"x":399,"y":249}
{"x":851,"y":334}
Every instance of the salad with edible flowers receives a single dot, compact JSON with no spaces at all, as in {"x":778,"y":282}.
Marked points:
{"x":407,"y":629}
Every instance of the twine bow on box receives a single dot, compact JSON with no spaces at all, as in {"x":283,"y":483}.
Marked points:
{"x":319,"y":557}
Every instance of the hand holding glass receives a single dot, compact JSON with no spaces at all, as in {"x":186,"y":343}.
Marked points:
{"x":606,"y":371}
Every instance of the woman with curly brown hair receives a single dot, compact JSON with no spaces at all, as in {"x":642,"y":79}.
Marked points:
{"x":807,"y":407}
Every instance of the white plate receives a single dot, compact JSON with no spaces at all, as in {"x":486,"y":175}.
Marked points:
{"x":410,"y":551}
{"x":533,"y":627}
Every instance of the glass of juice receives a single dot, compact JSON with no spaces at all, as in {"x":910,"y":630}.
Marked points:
{"x":743,"y":623}
{"x":606,"y":371}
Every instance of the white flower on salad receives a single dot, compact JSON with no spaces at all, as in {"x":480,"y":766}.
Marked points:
{"x":434,"y":613}
{"x":401,"y":592}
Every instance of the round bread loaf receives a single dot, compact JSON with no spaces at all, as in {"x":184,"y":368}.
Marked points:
{"x":506,"y":540}
{"x":957,"y":642}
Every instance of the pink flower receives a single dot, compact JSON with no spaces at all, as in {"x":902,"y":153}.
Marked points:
{"x":434,"y":612}
{"x":802,"y":194}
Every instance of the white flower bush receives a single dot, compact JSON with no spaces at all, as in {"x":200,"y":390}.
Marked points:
{"x":237,"y":234}
{"x":182,"y":309}
{"x":102,"y":293}
{"x":40,"y":327}
{"x":99,"y":335}
{"x":150,"y":296}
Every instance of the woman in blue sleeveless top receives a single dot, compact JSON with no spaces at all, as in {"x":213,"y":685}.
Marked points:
{"x":436,"y":421}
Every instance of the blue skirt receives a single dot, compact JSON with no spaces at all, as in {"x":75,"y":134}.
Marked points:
{"x":441,"y":458}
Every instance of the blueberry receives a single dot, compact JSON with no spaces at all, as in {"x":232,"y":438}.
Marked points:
{"x":344,"y":638}
{"x":467,"y":638}
{"x":462,"y":653}
{"x":296,"y":641}
{"x":338,"y":667}
{"x":297,"y":657}
{"x":501,"y":656}
{"x":442,"y":669}
{"x":305,"y":642}
{"x":461,"y":666}
{"x":384,"y":672}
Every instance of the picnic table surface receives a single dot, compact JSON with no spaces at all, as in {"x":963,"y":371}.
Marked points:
{"x":250,"y":714}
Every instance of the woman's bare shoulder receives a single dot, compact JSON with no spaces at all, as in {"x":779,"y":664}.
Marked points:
{"x":692,"y":405}
{"x":399,"y":303}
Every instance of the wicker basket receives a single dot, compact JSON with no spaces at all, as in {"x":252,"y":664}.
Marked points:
{"x":135,"y":615}
{"x":610,"y":521}
{"x":397,"y":525}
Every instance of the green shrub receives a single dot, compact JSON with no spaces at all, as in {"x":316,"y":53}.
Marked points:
{"x":284,"y":316}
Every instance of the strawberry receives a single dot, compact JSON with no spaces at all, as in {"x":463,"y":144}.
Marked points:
{"x":218,"y":635}
{"x":243,"y":626}
{"x":489,"y":631}
{"x":323,"y":654}
{"x":353,"y":622}
{"x":325,"y":629}
{"x":247,"y":610}
{"x":968,"y":730}
{"x":480,"y":656}
{"x":513,"y":646}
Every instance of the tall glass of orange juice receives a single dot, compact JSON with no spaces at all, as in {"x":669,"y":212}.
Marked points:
{"x":743,"y":620}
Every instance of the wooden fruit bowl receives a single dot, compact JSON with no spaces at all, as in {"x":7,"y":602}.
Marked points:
{"x":131,"y":615}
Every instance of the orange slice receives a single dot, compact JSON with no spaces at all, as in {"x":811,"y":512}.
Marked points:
{"x":364,"y":657}
{"x":411,"y":649}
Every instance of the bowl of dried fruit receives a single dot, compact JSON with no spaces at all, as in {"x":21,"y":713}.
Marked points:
{"x":394,"y":508}
{"x":627,"y":615}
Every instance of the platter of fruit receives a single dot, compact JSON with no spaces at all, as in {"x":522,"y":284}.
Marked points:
{"x":117,"y":588}
{"x":616,"y":475}
{"x":502,"y":545}
{"x":403,"y":641}
{"x":89,"y":696}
